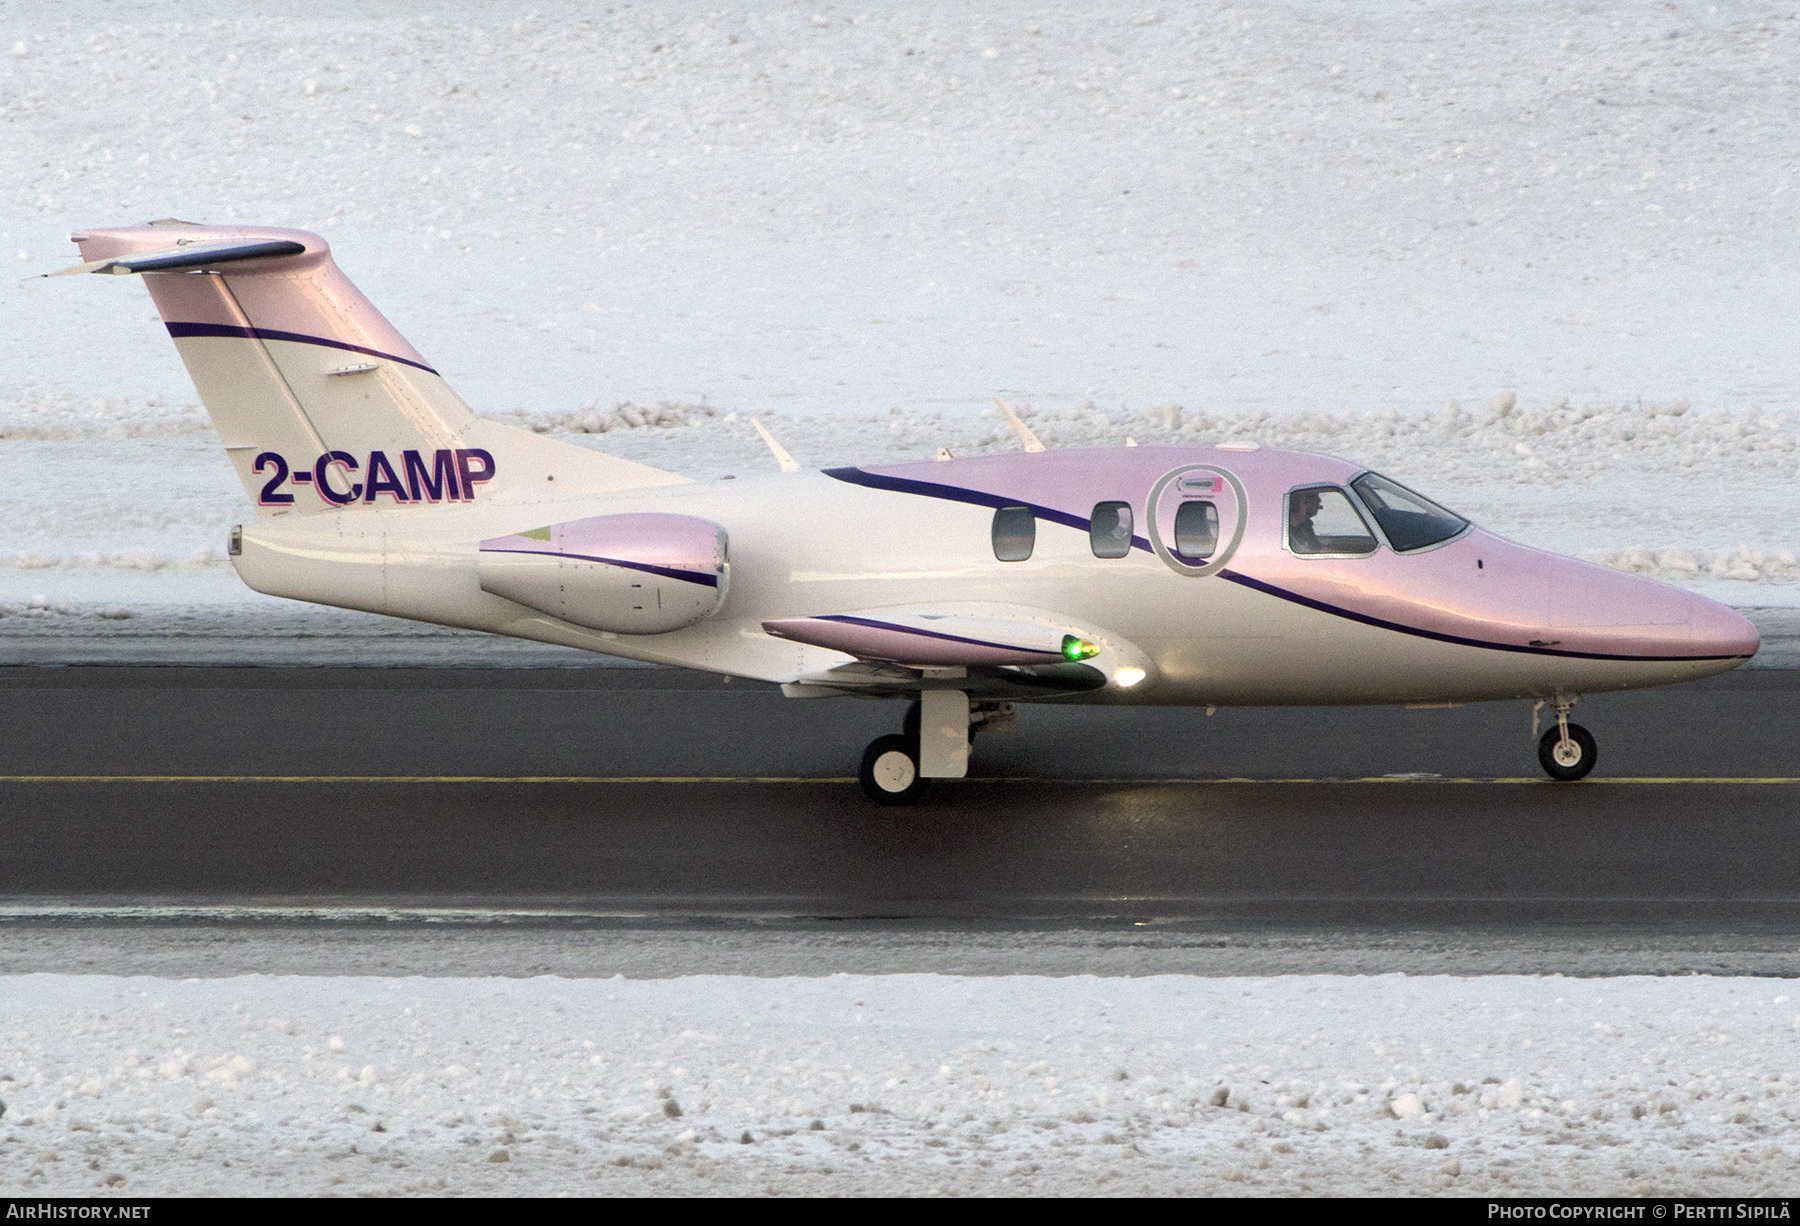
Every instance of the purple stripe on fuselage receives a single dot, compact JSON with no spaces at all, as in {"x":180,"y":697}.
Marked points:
{"x":270,"y":334}
{"x":1269,"y":589}
{"x":951,"y":493}
{"x":955,"y":493}
{"x":934,"y":634}
{"x":667,"y":572}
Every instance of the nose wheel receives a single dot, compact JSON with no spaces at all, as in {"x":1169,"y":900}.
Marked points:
{"x":1567,"y":751}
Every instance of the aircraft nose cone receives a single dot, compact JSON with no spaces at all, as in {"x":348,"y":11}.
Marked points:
{"x":1603,"y":611}
{"x":1720,"y":630}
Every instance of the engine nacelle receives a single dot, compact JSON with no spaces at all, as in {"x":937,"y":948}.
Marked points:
{"x":646,"y":573}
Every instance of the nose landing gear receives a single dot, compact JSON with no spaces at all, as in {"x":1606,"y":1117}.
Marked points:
{"x":1567,"y":751}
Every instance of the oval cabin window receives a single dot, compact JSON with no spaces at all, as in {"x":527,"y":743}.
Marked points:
{"x":1196,"y":531}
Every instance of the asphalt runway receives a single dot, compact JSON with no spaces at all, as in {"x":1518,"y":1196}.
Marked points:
{"x":640,"y":722}
{"x":1424,"y":852}
{"x":602,"y":792}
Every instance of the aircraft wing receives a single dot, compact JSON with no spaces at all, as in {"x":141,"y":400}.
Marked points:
{"x":934,"y":639}
{"x":1000,"y":683}
{"x":990,"y":651}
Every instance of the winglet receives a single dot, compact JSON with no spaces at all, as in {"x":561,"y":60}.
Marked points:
{"x":1019,"y":428}
{"x":787,"y":462}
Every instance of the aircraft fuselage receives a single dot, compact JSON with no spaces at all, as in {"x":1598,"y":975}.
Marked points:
{"x":1474,"y":617}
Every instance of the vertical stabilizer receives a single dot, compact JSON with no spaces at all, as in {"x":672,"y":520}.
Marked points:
{"x":321,"y":403}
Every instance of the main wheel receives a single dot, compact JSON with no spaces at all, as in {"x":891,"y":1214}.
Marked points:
{"x":1567,"y":763}
{"x":890,"y":771}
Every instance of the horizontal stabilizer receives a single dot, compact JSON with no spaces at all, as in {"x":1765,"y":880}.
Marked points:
{"x":187,"y":255}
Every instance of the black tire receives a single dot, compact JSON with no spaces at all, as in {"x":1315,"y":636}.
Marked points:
{"x":887,"y":781}
{"x":1571,"y":771}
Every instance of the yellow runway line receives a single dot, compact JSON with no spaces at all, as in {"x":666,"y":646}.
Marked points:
{"x":597,"y":779}
{"x":1385,"y":779}
{"x":416,"y":779}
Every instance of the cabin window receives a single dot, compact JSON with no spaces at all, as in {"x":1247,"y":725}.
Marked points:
{"x":1015,"y":533}
{"x":1196,"y":530}
{"x":1410,"y":521}
{"x":1109,"y":529}
{"x":1321,"y":522}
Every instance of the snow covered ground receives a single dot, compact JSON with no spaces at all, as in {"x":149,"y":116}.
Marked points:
{"x":1309,"y":224}
{"x":1292,"y":206}
{"x":898,"y":1084}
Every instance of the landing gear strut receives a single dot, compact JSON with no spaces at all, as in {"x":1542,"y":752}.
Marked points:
{"x":1567,"y":751}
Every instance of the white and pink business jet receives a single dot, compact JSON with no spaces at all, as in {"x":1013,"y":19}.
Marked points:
{"x":1199,"y":576}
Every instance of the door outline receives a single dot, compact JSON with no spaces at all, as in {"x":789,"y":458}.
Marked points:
{"x":1154,"y":534}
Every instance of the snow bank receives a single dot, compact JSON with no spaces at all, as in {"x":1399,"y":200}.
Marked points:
{"x":898,"y":1084}
{"x":40,"y":418}
{"x":1740,"y":565}
{"x":589,"y":418}
{"x":242,"y":628}
{"x":145,"y":560}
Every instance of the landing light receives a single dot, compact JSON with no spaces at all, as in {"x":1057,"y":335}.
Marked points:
{"x":1078,"y":649}
{"x":1128,"y":677}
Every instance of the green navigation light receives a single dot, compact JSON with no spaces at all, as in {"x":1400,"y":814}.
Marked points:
{"x":1078,"y":649}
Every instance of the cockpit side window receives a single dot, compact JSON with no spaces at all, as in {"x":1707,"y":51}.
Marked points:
{"x":1015,"y":533}
{"x":1321,"y":522}
{"x":1109,"y":530}
{"x":1410,"y":521}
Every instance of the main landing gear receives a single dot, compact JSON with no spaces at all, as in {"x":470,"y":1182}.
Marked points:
{"x":890,"y":770}
{"x":1567,"y":751}
{"x":933,"y":743}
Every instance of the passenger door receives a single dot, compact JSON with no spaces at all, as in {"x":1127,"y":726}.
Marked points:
{"x":1195,"y":518}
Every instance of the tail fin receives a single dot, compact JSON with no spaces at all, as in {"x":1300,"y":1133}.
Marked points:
{"x":320,"y":402}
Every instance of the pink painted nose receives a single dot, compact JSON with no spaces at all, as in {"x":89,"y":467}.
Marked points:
{"x":1593,"y":609}
{"x":1719,"y":630}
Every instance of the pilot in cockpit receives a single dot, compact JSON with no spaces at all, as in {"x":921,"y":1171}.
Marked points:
{"x":1302,"y":506}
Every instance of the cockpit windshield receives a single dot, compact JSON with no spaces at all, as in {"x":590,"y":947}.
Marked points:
{"x":1410,"y":521}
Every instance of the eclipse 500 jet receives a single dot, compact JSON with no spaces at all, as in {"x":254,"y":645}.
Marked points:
{"x":1207,"y":576}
